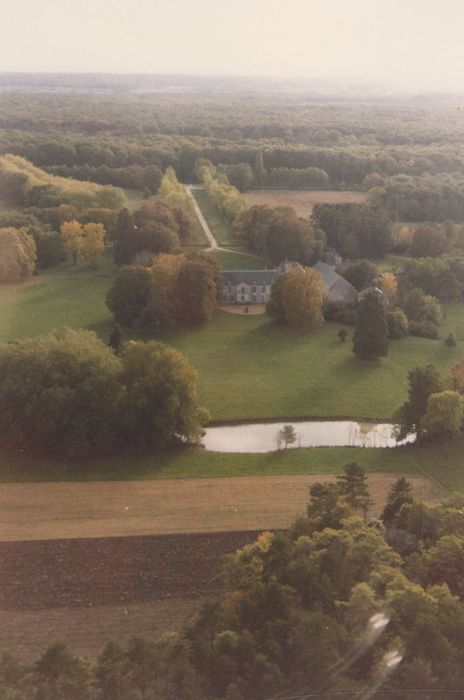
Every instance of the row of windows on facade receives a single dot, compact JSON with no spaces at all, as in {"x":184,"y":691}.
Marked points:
{"x":243,"y":290}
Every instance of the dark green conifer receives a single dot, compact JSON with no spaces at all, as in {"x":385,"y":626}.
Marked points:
{"x":370,"y":340}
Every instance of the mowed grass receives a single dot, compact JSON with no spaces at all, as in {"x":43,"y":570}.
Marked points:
{"x":62,"y":296}
{"x":229,"y":260}
{"x":251,"y":368}
{"x":303,"y":201}
{"x":220,"y":228}
{"x":444,"y":465}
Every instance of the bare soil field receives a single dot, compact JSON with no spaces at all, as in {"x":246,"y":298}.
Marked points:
{"x":86,"y":631}
{"x":86,"y":592}
{"x":61,"y":510}
{"x":303,"y":200}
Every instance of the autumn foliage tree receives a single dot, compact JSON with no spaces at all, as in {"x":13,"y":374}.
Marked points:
{"x":71,"y":233}
{"x":175,"y":290}
{"x":93,"y":243}
{"x":17,"y":254}
{"x":302,"y":297}
{"x":297,"y":297}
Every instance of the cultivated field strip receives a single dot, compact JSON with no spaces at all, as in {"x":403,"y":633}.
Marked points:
{"x":61,"y":510}
{"x":51,"y":574}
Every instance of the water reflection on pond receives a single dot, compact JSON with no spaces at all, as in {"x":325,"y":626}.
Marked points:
{"x":263,"y":437}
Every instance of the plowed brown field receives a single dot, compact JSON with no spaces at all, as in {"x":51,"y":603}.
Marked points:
{"x":303,"y":201}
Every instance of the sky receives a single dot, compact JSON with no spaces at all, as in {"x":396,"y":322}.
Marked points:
{"x":390,"y":42}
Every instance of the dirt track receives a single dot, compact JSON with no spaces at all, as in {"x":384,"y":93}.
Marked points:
{"x":43,"y":511}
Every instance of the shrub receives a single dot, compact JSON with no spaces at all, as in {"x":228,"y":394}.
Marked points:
{"x":424,"y":329}
{"x":398,"y":326}
{"x":339,"y":311}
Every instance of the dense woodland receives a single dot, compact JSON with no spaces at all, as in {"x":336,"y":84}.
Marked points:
{"x":124,"y":138}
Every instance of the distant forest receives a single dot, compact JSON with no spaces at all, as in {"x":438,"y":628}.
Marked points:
{"x":113,"y":130}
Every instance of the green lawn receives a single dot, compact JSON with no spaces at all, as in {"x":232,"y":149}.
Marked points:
{"x":445,"y":465}
{"x":251,"y":368}
{"x":229,"y":260}
{"x":62,"y":296}
{"x":221,"y":229}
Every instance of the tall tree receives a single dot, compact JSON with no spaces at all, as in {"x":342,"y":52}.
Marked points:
{"x":93,"y":243}
{"x":161,"y":405}
{"x":443,"y":416}
{"x":72,"y":235}
{"x":196,"y":291}
{"x":156,"y":229}
{"x":353,"y":486}
{"x":400,"y":493}
{"x":370,"y":339}
{"x":302,"y":298}
{"x":17,"y":254}
{"x":128,"y":297}
{"x":423,"y":382}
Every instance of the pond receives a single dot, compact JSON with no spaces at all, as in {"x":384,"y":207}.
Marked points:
{"x":264,"y":437}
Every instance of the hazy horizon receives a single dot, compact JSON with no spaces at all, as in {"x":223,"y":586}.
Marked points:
{"x":405,"y":45}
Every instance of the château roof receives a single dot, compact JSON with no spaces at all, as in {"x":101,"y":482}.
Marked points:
{"x":249,"y":277}
{"x":337,"y":287}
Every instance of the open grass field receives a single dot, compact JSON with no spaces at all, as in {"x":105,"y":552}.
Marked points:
{"x":303,"y":200}
{"x":220,"y":228}
{"x":251,"y":368}
{"x":62,"y":296}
